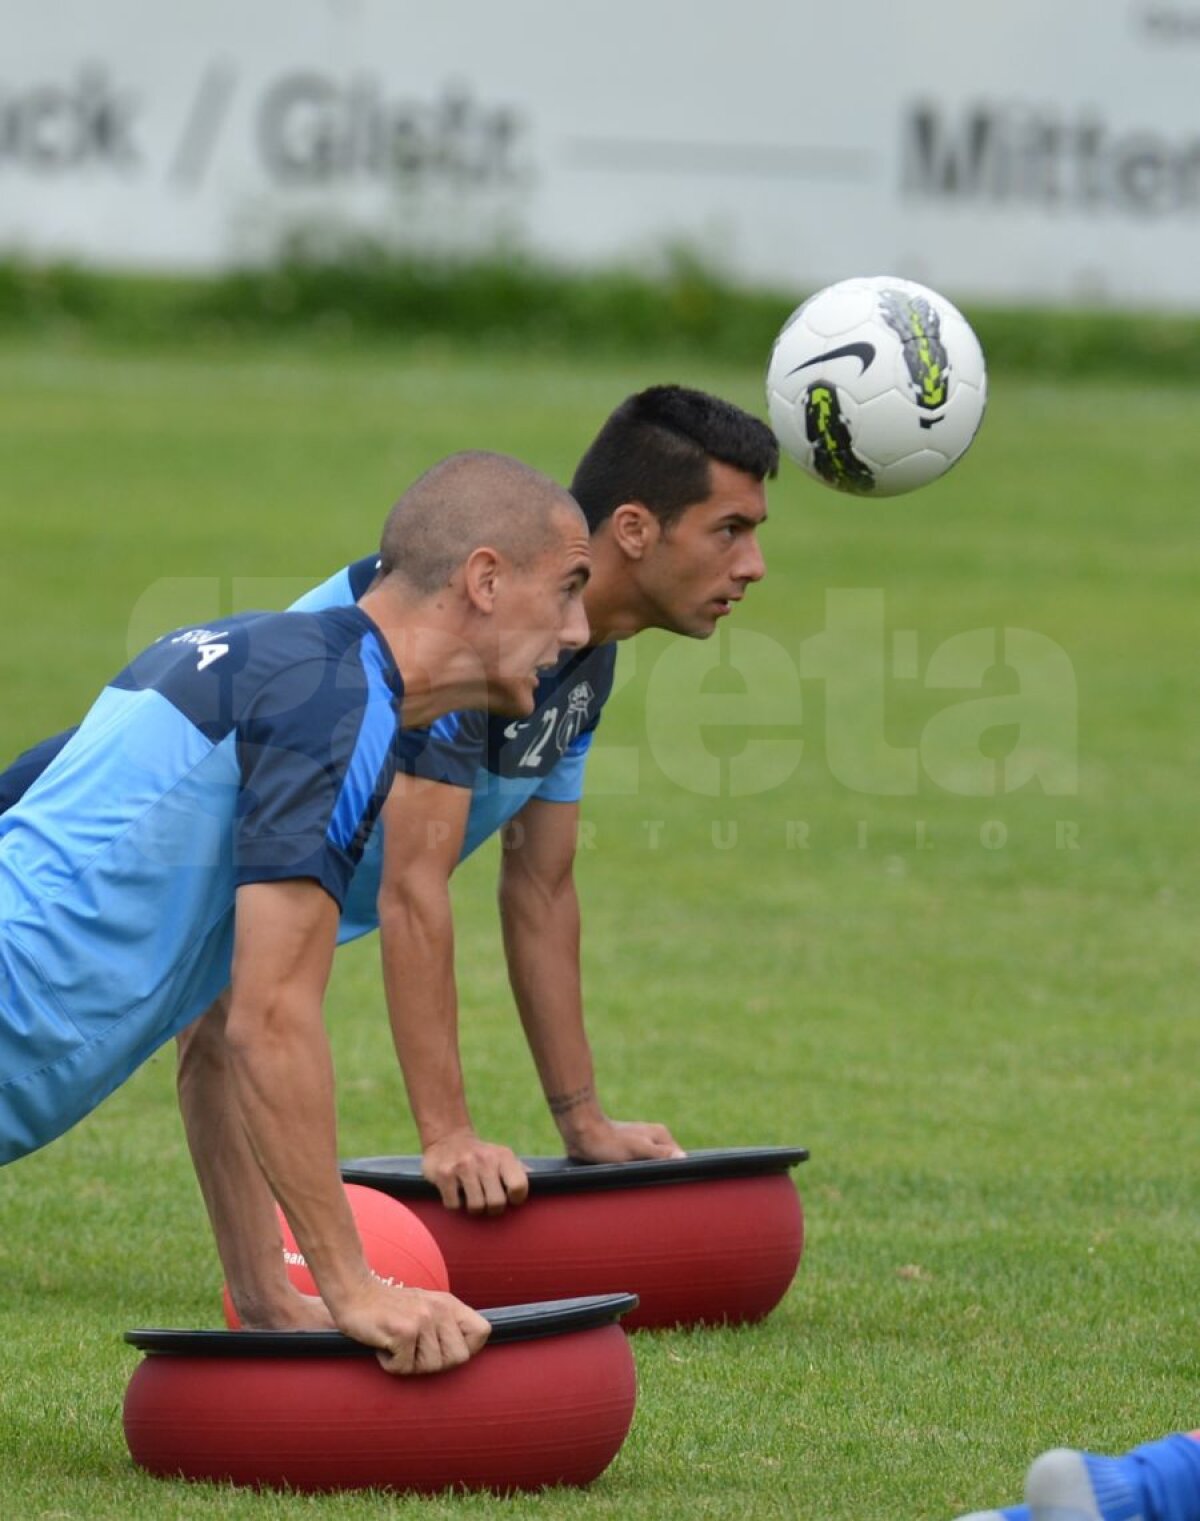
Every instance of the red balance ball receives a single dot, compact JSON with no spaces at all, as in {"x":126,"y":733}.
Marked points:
{"x":397,"y":1246}
{"x":314,"y":1411}
{"x":713,"y":1237}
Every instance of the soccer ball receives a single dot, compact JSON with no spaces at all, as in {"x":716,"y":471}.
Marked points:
{"x":876,"y":386}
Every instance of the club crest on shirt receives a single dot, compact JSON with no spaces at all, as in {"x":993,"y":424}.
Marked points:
{"x":571,"y":725}
{"x":567,"y":707}
{"x":546,"y":737}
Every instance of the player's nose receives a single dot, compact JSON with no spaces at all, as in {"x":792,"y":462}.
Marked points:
{"x":575,"y":630}
{"x":752,"y":566}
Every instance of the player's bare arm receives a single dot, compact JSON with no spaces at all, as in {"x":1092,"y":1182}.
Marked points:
{"x":539,"y":911}
{"x":282,"y":1079}
{"x":239,"y":1203}
{"x":424,"y":823}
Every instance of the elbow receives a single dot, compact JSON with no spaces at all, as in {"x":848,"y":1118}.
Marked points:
{"x":525,"y":894}
{"x":414,"y":905}
{"x":265,"y":1019}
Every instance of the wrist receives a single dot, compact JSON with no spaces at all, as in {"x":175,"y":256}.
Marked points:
{"x":577,"y":1113}
{"x":345,"y":1288}
{"x":264,"y":1308}
{"x":436,"y":1133}
{"x":284,"y":1309}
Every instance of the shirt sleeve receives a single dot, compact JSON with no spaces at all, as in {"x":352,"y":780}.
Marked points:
{"x":316,"y":755}
{"x":564,"y":784}
{"x":450,"y":751}
{"x":341,"y":589}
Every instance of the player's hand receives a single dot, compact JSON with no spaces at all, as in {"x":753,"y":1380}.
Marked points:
{"x":413,"y":1330}
{"x":476,"y":1174}
{"x":608,"y":1140}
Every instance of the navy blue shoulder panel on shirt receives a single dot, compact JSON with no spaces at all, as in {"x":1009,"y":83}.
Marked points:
{"x":317,"y":750}
{"x":319,"y":681}
{"x":311,"y":702}
{"x":210,"y":674}
{"x":360,"y":575}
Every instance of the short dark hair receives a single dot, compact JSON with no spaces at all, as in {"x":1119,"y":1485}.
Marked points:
{"x":656,"y":449}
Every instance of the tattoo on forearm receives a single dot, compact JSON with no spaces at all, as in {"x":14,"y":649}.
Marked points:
{"x":560,"y":1103}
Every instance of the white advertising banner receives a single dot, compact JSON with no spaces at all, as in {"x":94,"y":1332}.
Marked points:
{"x":1043,"y":150}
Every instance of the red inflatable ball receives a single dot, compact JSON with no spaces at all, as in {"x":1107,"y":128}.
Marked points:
{"x":521,"y":1415}
{"x":396,"y":1244}
{"x":714,"y":1237}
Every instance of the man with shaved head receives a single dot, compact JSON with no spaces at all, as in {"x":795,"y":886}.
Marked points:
{"x":181,"y":863}
{"x":473,"y":497}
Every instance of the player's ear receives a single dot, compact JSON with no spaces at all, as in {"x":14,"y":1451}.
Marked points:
{"x":635,"y":529}
{"x":481,"y":575}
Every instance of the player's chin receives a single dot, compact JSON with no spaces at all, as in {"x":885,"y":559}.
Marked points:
{"x":699,"y":625}
{"x":513,"y":699}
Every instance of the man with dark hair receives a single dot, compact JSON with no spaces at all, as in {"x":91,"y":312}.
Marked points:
{"x":658,"y":446}
{"x":179,"y":866}
{"x":673,"y":491}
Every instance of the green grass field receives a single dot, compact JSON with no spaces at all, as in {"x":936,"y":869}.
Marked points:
{"x":989,"y":1044}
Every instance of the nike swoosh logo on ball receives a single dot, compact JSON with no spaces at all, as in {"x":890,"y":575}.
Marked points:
{"x":864,"y":352}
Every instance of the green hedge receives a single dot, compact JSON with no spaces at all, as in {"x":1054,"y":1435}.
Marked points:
{"x":684,"y":308}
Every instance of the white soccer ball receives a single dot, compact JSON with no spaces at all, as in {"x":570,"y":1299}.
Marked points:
{"x":876,"y":385}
